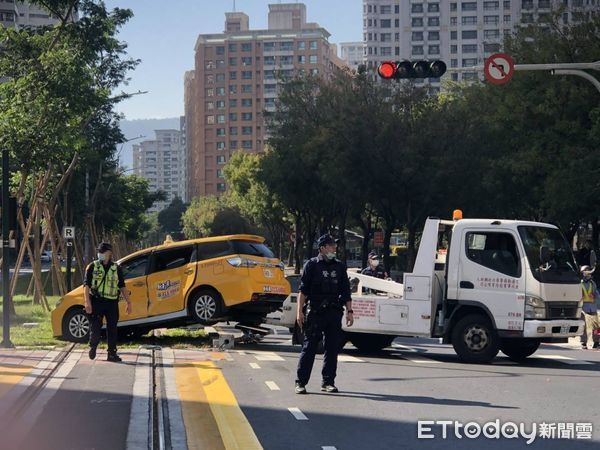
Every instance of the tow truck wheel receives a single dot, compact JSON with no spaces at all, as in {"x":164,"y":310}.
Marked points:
{"x":367,"y":342}
{"x":475,"y":340}
{"x":76,"y":326}
{"x":519,"y":349}
{"x":206,"y":306}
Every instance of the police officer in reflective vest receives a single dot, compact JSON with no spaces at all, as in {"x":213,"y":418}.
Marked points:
{"x":103,"y":283}
{"x":325,"y":290}
{"x":589,"y":311}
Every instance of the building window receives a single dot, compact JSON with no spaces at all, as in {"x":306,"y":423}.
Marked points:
{"x":209,"y":106}
{"x":220,"y":91}
{"x":220,"y":77}
{"x":385,"y":37}
{"x":454,"y":63}
{"x":220,"y":49}
{"x":433,"y":22}
{"x":417,"y":36}
{"x":433,"y":7}
{"x":221,"y":159}
{"x":491,"y":20}
{"x":220,"y":132}
{"x":385,"y":9}
{"x":453,"y":6}
{"x":507,"y":18}
{"x":247,"y":61}
{"x":221,"y":118}
{"x":313,"y":45}
{"x":232,"y":48}
{"x":221,"y":146}
{"x":232,"y":89}
{"x":434,"y":50}
{"x":469,"y":20}
{"x":246,"y":75}
{"x":210,"y":92}
{"x":286,"y":46}
{"x":247,"y":145}
{"x":233,"y":131}
{"x":247,"y":47}
{"x":527,"y":18}
{"x":312,"y":59}
{"x":386,"y":23}
{"x":469,"y":62}
{"x":417,"y":7}
{"x":314,"y":72}
{"x":417,"y":21}
{"x":527,"y":4}
{"x":301,"y":59}
{"x":434,"y":36}
{"x":454,"y":49}
{"x":491,"y":34}
{"x":491,"y":48}
{"x":417,"y":50}
{"x":468,"y":6}
{"x":453,"y":35}
{"x":246,"y":116}
{"x":269,"y":46}
{"x":453,"y":21}
{"x":220,"y":173}
{"x":269,"y":60}
{"x":491,"y":6}
{"x":469,"y":34}
{"x":301,"y":45}
{"x":507,"y":4}
{"x":286,"y":60}
{"x":210,"y":120}
{"x":233,"y":62}
{"x":386,"y":51}
{"x":246,"y":88}
{"x":233,"y":145}
{"x":246,"y":103}
{"x":247,"y":131}
{"x":469,"y":48}
{"x":232,"y":75}
{"x":220,"y":104}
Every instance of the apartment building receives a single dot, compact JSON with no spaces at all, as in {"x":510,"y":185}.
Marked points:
{"x":236,"y":81}
{"x":353,"y":53}
{"x":161,"y":161}
{"x":23,"y":14}
{"x":461,"y":33}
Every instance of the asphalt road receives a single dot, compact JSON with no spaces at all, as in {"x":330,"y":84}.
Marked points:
{"x":383,"y":396}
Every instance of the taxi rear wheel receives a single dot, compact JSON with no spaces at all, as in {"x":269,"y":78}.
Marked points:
{"x":76,"y":326}
{"x":206,"y":306}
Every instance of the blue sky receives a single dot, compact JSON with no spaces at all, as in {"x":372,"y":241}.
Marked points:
{"x":163,"y":33}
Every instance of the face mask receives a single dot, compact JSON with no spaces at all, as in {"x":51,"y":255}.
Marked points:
{"x":101,"y":257}
{"x":375,"y":263}
{"x":330,"y":256}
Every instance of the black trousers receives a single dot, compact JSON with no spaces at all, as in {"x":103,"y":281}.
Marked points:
{"x":323,"y":324}
{"x":109,"y":309}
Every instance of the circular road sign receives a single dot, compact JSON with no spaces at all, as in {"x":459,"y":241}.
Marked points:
{"x":499,"y":68}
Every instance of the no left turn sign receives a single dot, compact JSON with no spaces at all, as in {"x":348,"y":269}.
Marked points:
{"x":499,"y":68}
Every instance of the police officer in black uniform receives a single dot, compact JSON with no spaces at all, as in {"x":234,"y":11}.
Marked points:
{"x":373,"y":268}
{"x":325,"y":290}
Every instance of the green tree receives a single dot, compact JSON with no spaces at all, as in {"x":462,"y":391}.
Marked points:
{"x":170,"y":217}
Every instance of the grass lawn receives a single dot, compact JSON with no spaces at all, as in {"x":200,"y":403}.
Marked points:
{"x":41,"y":336}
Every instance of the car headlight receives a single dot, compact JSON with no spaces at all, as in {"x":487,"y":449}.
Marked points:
{"x":535,"y":307}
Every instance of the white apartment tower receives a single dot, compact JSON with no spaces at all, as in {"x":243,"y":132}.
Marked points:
{"x":460,"y":33}
{"x":162,"y":162}
{"x":23,"y":14}
{"x":353,"y":53}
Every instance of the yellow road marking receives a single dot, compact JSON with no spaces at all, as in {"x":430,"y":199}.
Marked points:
{"x":11,"y":376}
{"x":203,"y":387}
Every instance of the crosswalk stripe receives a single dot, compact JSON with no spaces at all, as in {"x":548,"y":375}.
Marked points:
{"x":268,"y":356}
{"x":563,"y":359}
{"x":272,"y":385}
{"x":349,"y":358}
{"x":299,"y":415}
{"x":423,"y":361}
{"x":254,"y":365}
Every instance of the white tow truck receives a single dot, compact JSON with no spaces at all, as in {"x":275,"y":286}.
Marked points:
{"x":482,"y":285}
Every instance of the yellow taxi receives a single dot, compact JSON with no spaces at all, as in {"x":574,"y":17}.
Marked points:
{"x":204,"y":281}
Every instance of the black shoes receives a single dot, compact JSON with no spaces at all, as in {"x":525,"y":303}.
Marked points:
{"x":113,"y":357}
{"x":92,"y":353}
{"x":300,"y":389}
{"x":596,"y":345}
{"x":329,"y":388}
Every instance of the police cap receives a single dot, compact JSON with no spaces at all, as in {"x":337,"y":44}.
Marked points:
{"x":326,"y":239}
{"x":103,"y":247}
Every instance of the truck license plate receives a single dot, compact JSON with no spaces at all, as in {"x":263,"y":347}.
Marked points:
{"x":564,"y":329}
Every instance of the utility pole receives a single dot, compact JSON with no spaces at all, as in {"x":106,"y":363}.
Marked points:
{"x":6,"y":212}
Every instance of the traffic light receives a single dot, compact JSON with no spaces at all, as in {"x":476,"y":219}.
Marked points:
{"x":389,"y":70}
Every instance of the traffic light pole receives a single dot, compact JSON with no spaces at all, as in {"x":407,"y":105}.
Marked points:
{"x":6,"y":212}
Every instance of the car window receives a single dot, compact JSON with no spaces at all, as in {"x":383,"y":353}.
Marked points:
{"x":172,"y":258}
{"x":252,"y":248}
{"x":135,"y":267}
{"x":209,"y":250}
{"x":496,"y":251}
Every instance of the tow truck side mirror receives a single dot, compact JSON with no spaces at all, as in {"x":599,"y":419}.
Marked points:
{"x":544,"y":255}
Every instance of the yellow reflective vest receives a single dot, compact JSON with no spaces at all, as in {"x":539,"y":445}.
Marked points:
{"x":105,"y":287}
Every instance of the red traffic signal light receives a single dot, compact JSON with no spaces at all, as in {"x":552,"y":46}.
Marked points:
{"x":411,"y":69}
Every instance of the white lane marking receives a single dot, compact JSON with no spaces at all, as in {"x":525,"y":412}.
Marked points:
{"x":423,"y":361}
{"x":328,"y":447}
{"x":139,"y":426}
{"x":254,"y":365}
{"x":176,"y":424}
{"x":349,"y":358}
{"x":563,"y":359}
{"x":268,"y":356}
{"x":403,"y":347}
{"x":299,"y":415}
{"x":272,"y":385}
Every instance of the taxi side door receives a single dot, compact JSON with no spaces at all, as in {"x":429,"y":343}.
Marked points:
{"x":135,"y":271}
{"x":172,"y":275}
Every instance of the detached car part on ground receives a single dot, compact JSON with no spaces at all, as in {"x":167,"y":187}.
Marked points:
{"x":201,"y":281}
